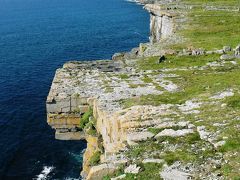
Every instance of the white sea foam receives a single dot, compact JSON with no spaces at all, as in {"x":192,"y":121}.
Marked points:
{"x":45,"y":172}
{"x":134,"y":1}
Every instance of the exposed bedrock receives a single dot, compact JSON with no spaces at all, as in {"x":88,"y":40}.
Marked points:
{"x":99,"y":85}
{"x":161,"y":22}
{"x":138,"y":110}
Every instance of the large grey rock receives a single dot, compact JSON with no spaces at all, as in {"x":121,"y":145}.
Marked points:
{"x":224,"y":94}
{"x":198,"y":52}
{"x":227,"y":48}
{"x":98,"y":172}
{"x":174,"y":174}
{"x":227,"y":57}
{"x":118,"y":56}
{"x":158,"y":161}
{"x":119,"y":177}
{"x":173,"y":133}
{"x":69,"y":135}
{"x":219,"y":144}
{"x":204,"y":135}
{"x":138,"y":136}
{"x":237,"y":50}
{"x":132,"y":169}
{"x":219,"y":51}
{"x":161,"y":23}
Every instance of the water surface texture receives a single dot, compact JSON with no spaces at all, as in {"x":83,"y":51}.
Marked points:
{"x":36,"y":37}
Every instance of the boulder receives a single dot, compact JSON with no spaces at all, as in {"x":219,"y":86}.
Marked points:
{"x":118,"y":56}
{"x":219,"y":51}
{"x":227,"y":48}
{"x":174,"y":174}
{"x":173,"y":133}
{"x":237,"y":50}
{"x":98,"y":172}
{"x":197,"y":52}
{"x":158,"y":161}
{"x":132,"y":169}
{"x":119,"y":177}
{"x":209,"y":52}
{"x":219,"y":144}
{"x":78,"y":135}
{"x":138,"y":137}
{"x":227,"y":57}
{"x":203,"y":133}
{"x":224,"y":94}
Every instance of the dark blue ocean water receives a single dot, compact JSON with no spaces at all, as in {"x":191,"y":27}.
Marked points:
{"x":36,"y":37}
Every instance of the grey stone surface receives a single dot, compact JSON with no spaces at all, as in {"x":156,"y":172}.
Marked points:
{"x":173,"y":133}
{"x":132,"y":169}
{"x":227,"y":57}
{"x":227,"y":48}
{"x":69,"y":135}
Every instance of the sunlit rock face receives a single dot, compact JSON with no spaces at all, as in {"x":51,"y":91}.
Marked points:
{"x":161,"y":23}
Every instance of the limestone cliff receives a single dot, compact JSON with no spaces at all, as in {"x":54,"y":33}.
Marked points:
{"x":151,"y":107}
{"x":161,"y":23}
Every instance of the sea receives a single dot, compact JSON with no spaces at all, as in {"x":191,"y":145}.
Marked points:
{"x":36,"y":38}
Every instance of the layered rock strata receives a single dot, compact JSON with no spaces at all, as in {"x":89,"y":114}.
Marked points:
{"x":168,"y":130}
{"x":161,"y":22}
{"x":80,"y":85}
{"x":99,"y":85}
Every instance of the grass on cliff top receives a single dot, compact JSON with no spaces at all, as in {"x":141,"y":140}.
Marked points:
{"x":190,"y":149}
{"x":148,"y":171}
{"x":192,"y":83}
{"x":173,"y":61}
{"x":211,"y":29}
{"x":214,"y":2}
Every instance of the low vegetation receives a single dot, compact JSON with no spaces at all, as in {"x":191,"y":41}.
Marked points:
{"x":88,"y":123}
{"x":95,"y":158}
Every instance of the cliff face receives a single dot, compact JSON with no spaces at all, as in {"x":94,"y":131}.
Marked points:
{"x":99,"y":85}
{"x":151,"y":107}
{"x":161,"y":23}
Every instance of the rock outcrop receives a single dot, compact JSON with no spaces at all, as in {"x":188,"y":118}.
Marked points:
{"x":161,"y":22}
{"x":151,"y":115}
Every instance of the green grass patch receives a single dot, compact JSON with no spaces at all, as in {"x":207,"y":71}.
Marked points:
{"x":123,"y":76}
{"x":136,"y":85}
{"x":232,"y":144}
{"x":172,"y":61}
{"x":148,"y":171}
{"x":233,"y":102}
{"x":193,"y":84}
{"x":95,"y":158}
{"x":183,"y":156}
{"x":212,"y":29}
{"x":147,"y":79}
{"x":85,"y":118}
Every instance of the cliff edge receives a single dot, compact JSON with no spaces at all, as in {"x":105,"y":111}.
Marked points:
{"x":168,"y":109}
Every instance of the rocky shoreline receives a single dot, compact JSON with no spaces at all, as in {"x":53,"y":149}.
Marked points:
{"x":93,"y":101}
{"x":66,"y":105}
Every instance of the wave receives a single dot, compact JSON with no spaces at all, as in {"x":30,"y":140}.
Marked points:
{"x":77,"y":157}
{"x":44,"y":173}
{"x":134,"y":1}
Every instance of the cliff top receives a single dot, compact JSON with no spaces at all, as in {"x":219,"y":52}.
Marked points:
{"x":168,"y":109}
